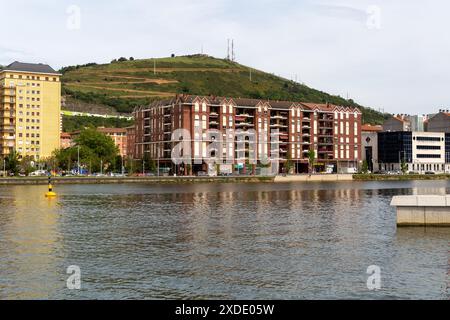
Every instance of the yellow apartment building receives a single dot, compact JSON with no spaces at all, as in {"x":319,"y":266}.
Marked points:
{"x":30,"y":107}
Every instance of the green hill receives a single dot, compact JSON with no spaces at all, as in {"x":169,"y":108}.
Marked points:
{"x":123,"y":84}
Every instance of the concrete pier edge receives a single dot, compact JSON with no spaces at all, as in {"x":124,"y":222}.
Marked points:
{"x":422,"y":210}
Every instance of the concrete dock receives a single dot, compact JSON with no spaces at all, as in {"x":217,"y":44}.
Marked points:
{"x":422,"y":210}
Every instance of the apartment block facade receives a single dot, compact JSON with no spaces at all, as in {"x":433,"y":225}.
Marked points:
{"x":131,"y":142}
{"x":332,"y":132}
{"x":30,"y":106}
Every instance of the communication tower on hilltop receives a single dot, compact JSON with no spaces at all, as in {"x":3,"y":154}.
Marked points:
{"x":233,"y":56}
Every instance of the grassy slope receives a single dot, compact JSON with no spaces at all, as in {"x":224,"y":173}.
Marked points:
{"x":123,"y":85}
{"x":73,"y":123}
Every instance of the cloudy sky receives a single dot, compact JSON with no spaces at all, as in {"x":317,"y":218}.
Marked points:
{"x":389,"y":54}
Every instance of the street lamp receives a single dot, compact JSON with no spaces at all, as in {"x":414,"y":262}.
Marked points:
{"x":400,"y":159}
{"x":78,"y":161}
{"x":143,"y":164}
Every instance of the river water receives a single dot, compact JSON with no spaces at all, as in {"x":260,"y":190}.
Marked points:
{"x":219,"y":241}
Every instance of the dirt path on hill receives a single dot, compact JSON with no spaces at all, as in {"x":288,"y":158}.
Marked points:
{"x":153,"y":93}
{"x":161,"y":70}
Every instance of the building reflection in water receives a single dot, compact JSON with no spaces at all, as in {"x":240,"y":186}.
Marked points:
{"x":30,"y":241}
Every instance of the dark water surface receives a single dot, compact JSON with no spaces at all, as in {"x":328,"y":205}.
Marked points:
{"x":221,"y":241}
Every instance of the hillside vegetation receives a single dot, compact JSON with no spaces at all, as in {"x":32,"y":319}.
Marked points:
{"x":73,"y":123}
{"x":125,"y":84}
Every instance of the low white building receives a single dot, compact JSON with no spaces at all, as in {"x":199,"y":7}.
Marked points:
{"x":423,"y":152}
{"x":428,"y":152}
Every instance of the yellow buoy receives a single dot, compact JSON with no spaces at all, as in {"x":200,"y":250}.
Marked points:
{"x":50,"y":193}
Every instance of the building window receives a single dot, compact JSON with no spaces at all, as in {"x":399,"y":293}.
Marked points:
{"x":429,"y":147}
{"x":429,"y":156}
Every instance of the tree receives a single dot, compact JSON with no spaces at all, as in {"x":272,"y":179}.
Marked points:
{"x":404,"y":167}
{"x":94,"y":149}
{"x":100,"y":144}
{"x":365,"y":167}
{"x":12,"y":163}
{"x":289,"y":163}
{"x":27,"y":165}
{"x":311,"y":160}
{"x":49,"y":163}
{"x":150,"y":164}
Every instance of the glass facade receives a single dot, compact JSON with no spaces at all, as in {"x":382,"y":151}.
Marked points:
{"x":393,"y":147}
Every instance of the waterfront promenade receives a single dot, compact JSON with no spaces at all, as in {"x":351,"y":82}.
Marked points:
{"x":231,"y":179}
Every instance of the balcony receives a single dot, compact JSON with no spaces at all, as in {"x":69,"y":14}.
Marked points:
{"x":244,"y":124}
{"x":326,"y":133}
{"x":10,"y":101}
{"x":6,"y":114}
{"x":214,"y":115}
{"x":326,"y":141}
{"x":245,"y":115}
{"x":10,"y":138}
{"x":8,"y":92}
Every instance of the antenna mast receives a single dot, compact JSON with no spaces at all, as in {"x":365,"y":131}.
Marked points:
{"x":233,"y":56}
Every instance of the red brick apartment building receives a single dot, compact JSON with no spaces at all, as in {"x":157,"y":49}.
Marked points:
{"x":333,"y":132}
{"x":131,"y":142}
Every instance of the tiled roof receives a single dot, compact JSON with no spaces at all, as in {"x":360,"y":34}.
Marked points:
{"x":284,"y":105}
{"x":30,"y":67}
{"x":371,"y":128}
{"x":112,"y":130}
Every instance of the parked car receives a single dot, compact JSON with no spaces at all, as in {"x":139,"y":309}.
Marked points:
{"x":430,"y":172}
{"x":38,"y":173}
{"x":202,"y":174}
